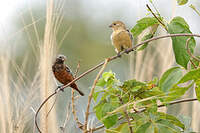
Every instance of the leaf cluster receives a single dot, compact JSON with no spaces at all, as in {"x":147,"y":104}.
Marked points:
{"x":121,"y":105}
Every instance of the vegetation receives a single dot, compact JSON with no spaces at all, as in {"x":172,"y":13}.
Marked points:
{"x":135,"y":105}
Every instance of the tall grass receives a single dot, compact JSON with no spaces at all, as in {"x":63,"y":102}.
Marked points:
{"x":21,"y":95}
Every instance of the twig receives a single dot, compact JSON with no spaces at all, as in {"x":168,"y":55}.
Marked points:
{"x":54,"y":100}
{"x":193,"y":64}
{"x":194,"y":8}
{"x":189,"y":52}
{"x":91,"y":93}
{"x":126,"y":115}
{"x":36,"y":124}
{"x":128,"y":50}
{"x":159,"y":106}
{"x":80,"y":125}
{"x":67,"y":118}
{"x":97,"y":128}
{"x":160,"y":21}
{"x":52,"y":105}
{"x":100,"y":64}
{"x":179,"y":101}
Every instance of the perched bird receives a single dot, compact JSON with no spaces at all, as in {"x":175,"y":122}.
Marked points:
{"x":63,"y":73}
{"x":121,"y":37}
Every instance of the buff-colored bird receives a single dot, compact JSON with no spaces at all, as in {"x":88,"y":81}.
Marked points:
{"x":121,"y":37}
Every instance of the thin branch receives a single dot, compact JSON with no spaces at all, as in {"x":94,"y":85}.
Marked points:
{"x":128,"y":50}
{"x":100,"y":64}
{"x":159,"y":106}
{"x":67,"y":118}
{"x":126,"y":115}
{"x":91,"y":94}
{"x":189,"y":52}
{"x":194,"y":8}
{"x":36,"y":124}
{"x":160,"y":21}
{"x":80,"y":125}
{"x":97,"y":128}
{"x":171,"y":103}
{"x":52,"y":105}
{"x":180,"y":101}
{"x":193,"y":64}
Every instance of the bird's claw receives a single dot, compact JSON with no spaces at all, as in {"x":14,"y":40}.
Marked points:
{"x":119,"y":55}
{"x":59,"y":88}
{"x":126,"y":51}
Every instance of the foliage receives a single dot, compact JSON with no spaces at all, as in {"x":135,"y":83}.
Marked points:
{"x":140,"y":100}
{"x":132,"y":103}
{"x":179,"y":25}
{"x":182,"y":2}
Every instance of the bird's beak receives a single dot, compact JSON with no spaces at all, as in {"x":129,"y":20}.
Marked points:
{"x":63,"y":59}
{"x":110,"y":26}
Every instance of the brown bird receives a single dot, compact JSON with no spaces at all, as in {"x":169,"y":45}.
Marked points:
{"x":121,"y":37}
{"x":63,"y":73}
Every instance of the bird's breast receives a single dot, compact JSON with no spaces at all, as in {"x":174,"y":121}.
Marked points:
{"x":63,"y":77}
{"x":61,"y":74}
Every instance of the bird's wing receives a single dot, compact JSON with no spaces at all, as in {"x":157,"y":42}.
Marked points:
{"x":68,"y":70}
{"x":53,"y":67}
{"x":130,"y":34}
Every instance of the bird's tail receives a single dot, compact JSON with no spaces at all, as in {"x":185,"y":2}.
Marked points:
{"x":74,"y":86}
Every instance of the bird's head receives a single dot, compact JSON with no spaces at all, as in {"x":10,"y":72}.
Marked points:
{"x":60,"y":59}
{"x":117,"y":25}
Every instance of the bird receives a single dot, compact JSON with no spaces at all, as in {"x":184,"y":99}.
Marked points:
{"x":121,"y":37}
{"x":63,"y":73}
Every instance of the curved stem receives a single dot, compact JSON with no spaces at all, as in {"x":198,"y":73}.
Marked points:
{"x":91,"y":94}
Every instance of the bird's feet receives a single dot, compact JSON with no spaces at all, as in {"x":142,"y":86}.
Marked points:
{"x":126,"y":51}
{"x":59,"y":88}
{"x":119,"y":55}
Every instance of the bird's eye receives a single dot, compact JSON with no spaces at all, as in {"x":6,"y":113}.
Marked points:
{"x":114,"y":24}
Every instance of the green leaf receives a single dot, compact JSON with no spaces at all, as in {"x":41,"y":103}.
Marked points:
{"x":101,"y":82}
{"x":191,"y":75}
{"x":151,"y":1}
{"x":165,"y":126}
{"x":132,"y":85}
{"x":145,"y":128}
{"x":179,"y":25}
{"x":98,"y":109}
{"x":171,"y":119}
{"x":142,"y":24}
{"x":169,"y":78}
{"x":95,"y":95}
{"x":148,"y":36}
{"x":176,"y":92}
{"x":108,"y":75}
{"x":197,"y":89}
{"x":182,"y":2}
{"x":108,"y":121}
{"x":101,"y":110}
{"x":159,"y":122}
{"x":122,"y":128}
{"x":186,"y":120}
